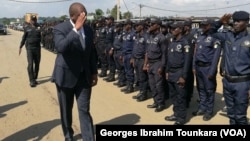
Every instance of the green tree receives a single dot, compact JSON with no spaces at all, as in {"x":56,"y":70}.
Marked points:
{"x":63,"y":17}
{"x":128,"y":15}
{"x":98,"y":13}
{"x":114,"y":12}
{"x":5,"y":21}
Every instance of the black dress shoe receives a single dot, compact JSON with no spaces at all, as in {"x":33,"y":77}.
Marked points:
{"x":135,"y":96}
{"x":154,"y":105}
{"x":32,"y":84}
{"x":224,"y":110}
{"x":179,"y":123}
{"x":69,"y":139}
{"x":171,"y":118}
{"x":106,"y":78}
{"x":111,"y":79}
{"x":159,"y":108}
{"x":102,"y":75}
{"x":116,"y":83}
{"x":121,"y":84}
{"x":198,"y":113}
{"x":141,"y":98}
{"x":207,"y":117}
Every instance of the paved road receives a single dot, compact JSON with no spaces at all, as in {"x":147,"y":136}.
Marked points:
{"x":33,"y":114}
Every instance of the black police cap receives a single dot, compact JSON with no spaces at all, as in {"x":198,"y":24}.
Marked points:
{"x":128,"y":21}
{"x":156,"y":21}
{"x":33,"y":18}
{"x":101,"y":19}
{"x":187,"y":23}
{"x":147,"y":20}
{"x":118,"y":25}
{"x":165,"y":24}
{"x":140,"y":23}
{"x":110,"y":18}
{"x":240,"y":15}
{"x":176,"y":24}
{"x":207,"y":21}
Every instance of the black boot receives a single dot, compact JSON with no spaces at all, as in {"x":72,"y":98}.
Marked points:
{"x":130,"y":89}
{"x":103,"y":74}
{"x":136,"y":96}
{"x":107,"y":77}
{"x":143,"y":96}
{"x":111,"y":78}
{"x":116,"y":83}
{"x":124,"y":89}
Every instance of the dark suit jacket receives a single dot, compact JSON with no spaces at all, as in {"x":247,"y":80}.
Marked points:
{"x":71,"y":59}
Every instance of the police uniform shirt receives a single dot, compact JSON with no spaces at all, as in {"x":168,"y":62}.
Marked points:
{"x":110,"y":34}
{"x":117,"y":41}
{"x":179,"y":56}
{"x":236,"y":52}
{"x":128,"y":39}
{"x":101,"y":35}
{"x":31,"y":37}
{"x":207,"y":51}
{"x":156,"y":48}
{"x":139,"y":49}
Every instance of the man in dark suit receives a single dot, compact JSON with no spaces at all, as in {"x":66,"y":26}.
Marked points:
{"x":75,"y":71}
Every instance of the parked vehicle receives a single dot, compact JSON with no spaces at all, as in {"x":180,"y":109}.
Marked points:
{"x":20,"y":27}
{"x":3,"y":29}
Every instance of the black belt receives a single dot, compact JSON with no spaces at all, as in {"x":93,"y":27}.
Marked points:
{"x":175,"y":69}
{"x":203,"y":64}
{"x":139,"y":58}
{"x":235,"y":79}
{"x":153,"y":60}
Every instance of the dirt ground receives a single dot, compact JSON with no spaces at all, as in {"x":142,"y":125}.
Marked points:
{"x":33,"y":114}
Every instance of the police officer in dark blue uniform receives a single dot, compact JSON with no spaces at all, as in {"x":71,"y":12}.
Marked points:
{"x":100,"y":41}
{"x":32,"y":40}
{"x":236,"y":53}
{"x":155,"y":64}
{"x":109,"y":51}
{"x":191,"y":36}
{"x":117,"y":54}
{"x":127,"y":48}
{"x":205,"y":64}
{"x":177,"y":67}
{"x":138,"y":60}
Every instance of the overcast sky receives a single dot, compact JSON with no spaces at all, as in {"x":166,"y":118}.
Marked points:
{"x":16,"y":8}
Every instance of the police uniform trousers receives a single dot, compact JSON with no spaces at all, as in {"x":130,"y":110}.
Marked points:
{"x":119,"y":66}
{"x":129,"y":69}
{"x":207,"y":88}
{"x":141,"y":75}
{"x":237,"y":100}
{"x":82,"y":93}
{"x":111,"y":61}
{"x":34,"y":57}
{"x":178,"y":95}
{"x":156,"y":82}
{"x":102,"y":56}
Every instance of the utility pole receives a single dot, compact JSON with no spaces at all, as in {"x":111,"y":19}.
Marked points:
{"x":118,"y":10}
{"x":140,"y":5}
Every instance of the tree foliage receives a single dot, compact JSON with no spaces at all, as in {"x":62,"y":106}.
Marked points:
{"x":98,"y":13}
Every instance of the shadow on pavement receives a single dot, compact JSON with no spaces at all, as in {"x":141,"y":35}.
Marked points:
{"x":1,"y":78}
{"x":10,"y":106}
{"x":45,"y":79}
{"x":35,"y":132}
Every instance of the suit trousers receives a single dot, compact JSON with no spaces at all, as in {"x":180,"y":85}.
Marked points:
{"x":82,"y":93}
{"x":33,"y":57}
